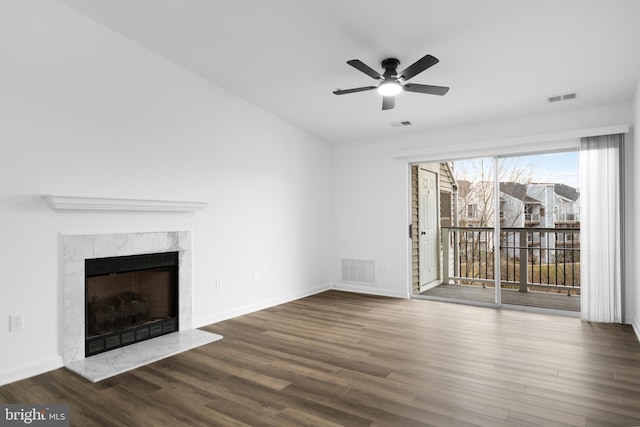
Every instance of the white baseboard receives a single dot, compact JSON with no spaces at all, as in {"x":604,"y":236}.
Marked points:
{"x":31,"y":370}
{"x":230,"y":314}
{"x":367,"y":289}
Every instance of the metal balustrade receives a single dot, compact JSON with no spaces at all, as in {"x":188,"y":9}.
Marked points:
{"x":539,"y":258}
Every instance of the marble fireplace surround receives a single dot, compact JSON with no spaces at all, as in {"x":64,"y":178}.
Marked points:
{"x":77,"y":248}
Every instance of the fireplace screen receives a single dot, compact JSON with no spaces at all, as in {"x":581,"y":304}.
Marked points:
{"x":129,"y":299}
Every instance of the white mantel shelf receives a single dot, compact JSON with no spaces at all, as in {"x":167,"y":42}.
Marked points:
{"x":66,"y":203}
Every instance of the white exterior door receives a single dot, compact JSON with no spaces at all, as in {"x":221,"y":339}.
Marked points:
{"x":428,"y":219}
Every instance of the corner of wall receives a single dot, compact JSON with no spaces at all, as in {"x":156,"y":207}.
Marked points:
{"x":635,"y":316}
{"x":636,"y":327}
{"x":247,"y":309}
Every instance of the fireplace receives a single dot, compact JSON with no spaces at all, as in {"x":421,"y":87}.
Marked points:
{"x":129,"y":299}
{"x":76,"y":250}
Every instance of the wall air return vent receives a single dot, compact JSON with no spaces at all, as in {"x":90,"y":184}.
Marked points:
{"x":359,"y":271}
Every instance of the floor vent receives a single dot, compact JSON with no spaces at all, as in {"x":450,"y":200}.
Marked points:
{"x":359,"y":271}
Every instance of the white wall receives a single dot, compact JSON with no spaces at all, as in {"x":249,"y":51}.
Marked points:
{"x":370,"y":215}
{"x":371,"y":183}
{"x":86,"y":112}
{"x":633,"y":295}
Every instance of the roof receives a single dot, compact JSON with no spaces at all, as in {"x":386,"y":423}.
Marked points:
{"x":517,"y":191}
{"x":563,"y":190}
{"x":566,"y":191}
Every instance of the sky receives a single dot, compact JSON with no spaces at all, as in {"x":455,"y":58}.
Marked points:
{"x":557,"y":168}
{"x":554,"y":168}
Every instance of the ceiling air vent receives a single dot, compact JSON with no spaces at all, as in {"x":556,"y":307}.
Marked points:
{"x":565,"y":97}
{"x":401,"y":124}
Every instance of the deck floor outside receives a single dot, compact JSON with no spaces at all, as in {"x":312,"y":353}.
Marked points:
{"x":550,"y":300}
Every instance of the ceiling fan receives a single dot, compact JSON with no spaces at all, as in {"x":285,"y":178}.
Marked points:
{"x":392,"y":82}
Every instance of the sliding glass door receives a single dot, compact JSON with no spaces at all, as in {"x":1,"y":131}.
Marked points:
{"x":513,"y":234}
{"x":540,"y":231}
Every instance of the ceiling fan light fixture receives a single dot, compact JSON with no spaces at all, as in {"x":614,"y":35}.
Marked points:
{"x":392,"y":82}
{"x":389,"y":88}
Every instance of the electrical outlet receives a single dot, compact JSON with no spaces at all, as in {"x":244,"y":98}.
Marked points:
{"x":218,"y":285}
{"x":15,"y":322}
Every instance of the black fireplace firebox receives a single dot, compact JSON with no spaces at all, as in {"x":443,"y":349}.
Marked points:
{"x":129,"y":299}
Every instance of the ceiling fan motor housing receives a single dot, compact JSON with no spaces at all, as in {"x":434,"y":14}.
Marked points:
{"x":390,"y":66}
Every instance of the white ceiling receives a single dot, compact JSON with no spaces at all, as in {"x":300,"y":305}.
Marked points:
{"x":501,"y":58}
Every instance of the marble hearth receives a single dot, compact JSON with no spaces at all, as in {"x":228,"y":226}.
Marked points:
{"x":77,"y":248}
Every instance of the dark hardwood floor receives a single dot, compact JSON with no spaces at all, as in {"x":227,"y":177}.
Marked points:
{"x":353,"y":360}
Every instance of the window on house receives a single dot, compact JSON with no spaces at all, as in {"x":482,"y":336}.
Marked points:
{"x":472,"y":210}
{"x":446,"y":219}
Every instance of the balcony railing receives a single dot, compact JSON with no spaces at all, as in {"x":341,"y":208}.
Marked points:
{"x":566,"y":217}
{"x":540,"y":258}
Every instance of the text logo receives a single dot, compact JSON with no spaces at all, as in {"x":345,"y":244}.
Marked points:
{"x":34,"y":415}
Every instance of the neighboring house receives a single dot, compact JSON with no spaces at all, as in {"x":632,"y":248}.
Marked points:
{"x":534,"y":205}
{"x":541,"y":205}
{"x":518,"y":208}
{"x":566,"y":206}
{"x":562,"y":212}
{"x":475,"y":206}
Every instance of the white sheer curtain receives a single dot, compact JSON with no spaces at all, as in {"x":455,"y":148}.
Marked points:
{"x":600,"y":229}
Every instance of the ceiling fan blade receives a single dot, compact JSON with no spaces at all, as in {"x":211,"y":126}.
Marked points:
{"x":356,"y":89}
{"x":388,"y":102}
{"x":361,"y":66}
{"x":419,"y":66}
{"x":428,"y":89}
